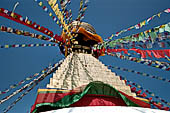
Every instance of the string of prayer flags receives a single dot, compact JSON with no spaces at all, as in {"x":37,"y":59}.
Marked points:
{"x":27,"y":45}
{"x":147,"y":39}
{"x":140,"y":24}
{"x":18,"y":99}
{"x":140,"y":73}
{"x":70,"y":16}
{"x":144,"y":53}
{"x":56,"y":39}
{"x":159,"y":105}
{"x":67,"y":14}
{"x":43,"y":75}
{"x":20,"y":83}
{"x":33,"y":84}
{"x":81,"y":12}
{"x":19,"y":19}
{"x":156,"y":64}
{"x":82,"y":9}
{"x":130,"y":83}
{"x":23,"y":81}
{"x":55,"y":19}
{"x":59,"y":14}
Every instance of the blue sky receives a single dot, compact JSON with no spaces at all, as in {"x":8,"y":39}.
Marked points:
{"x":107,"y":17}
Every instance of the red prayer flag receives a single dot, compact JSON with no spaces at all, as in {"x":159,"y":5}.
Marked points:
{"x":139,"y":92}
{"x":133,"y":89}
{"x":158,"y":53}
{"x":167,"y":52}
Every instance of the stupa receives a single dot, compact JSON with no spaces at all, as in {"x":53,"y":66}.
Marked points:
{"x":82,"y":80}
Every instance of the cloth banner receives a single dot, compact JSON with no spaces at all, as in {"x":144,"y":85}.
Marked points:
{"x":69,"y":98}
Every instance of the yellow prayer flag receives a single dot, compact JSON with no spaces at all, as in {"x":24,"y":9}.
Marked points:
{"x":50,"y":14}
{"x":6,"y":46}
{"x":39,"y":27}
{"x":159,"y":14}
{"x":18,"y":32}
{"x":138,"y":61}
{"x":55,"y":8}
{"x":23,"y":45}
{"x":162,"y":26}
{"x":144,"y":22}
{"x":52,"y":2}
{"x":40,"y":36}
{"x":12,"y":14}
{"x":49,"y":33}
{"x":57,"y":21}
{"x":61,"y":19}
{"x":40,"y":4}
{"x":112,"y":36}
{"x":132,"y":27}
{"x":42,"y":71}
{"x":157,"y":66}
{"x":28,"y":22}
{"x":81,"y":3}
{"x":67,"y":27}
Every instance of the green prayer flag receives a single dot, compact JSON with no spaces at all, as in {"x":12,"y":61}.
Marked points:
{"x":153,"y":35}
{"x":161,"y":30}
{"x":167,"y":27}
{"x":141,"y":37}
